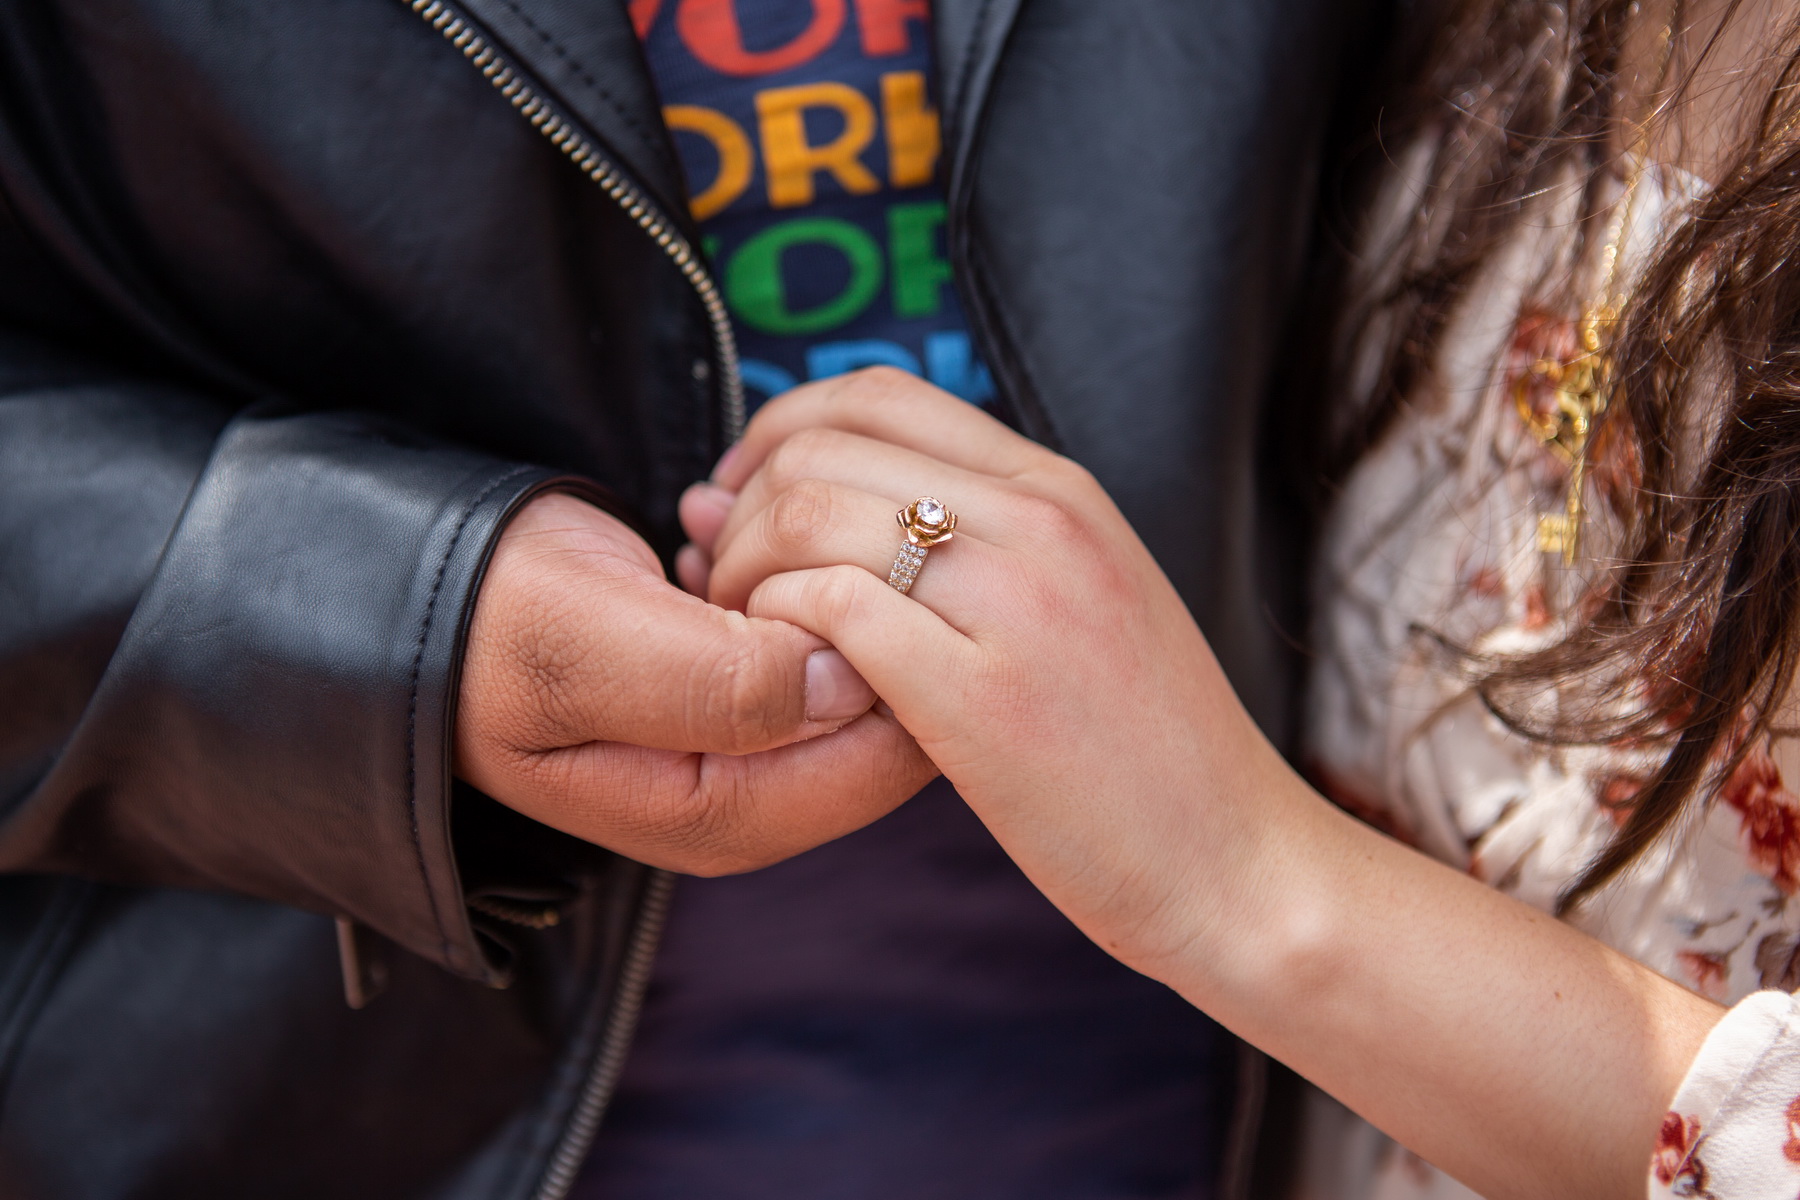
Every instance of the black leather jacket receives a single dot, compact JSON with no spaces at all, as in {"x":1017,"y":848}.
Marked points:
{"x":299,"y":299}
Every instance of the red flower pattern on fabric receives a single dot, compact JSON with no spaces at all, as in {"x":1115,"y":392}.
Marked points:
{"x":1487,"y":583}
{"x":1539,"y":336}
{"x":1770,"y":817}
{"x":1363,"y":807}
{"x":1537,"y":607}
{"x":1615,"y":466}
{"x":1724,"y":916}
{"x":1708,"y":971}
{"x":1791,"y":1148}
{"x":1675,"y":1163}
{"x":1617,"y":796}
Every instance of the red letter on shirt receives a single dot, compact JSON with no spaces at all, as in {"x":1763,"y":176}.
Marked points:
{"x":884,"y":24}
{"x":710,"y":29}
{"x":643,"y":15}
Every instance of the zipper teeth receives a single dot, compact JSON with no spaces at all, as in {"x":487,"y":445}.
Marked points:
{"x":634,"y":973}
{"x":634,"y":979}
{"x":598,"y":168}
{"x":514,"y":912}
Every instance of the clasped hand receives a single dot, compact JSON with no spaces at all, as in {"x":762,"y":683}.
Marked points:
{"x":1047,"y":667}
{"x":1042,"y":662}
{"x":600,"y":699}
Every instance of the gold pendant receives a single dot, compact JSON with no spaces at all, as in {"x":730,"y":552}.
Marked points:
{"x":1560,"y":533}
{"x":1582,"y":387}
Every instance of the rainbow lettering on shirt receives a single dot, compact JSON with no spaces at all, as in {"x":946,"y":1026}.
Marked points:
{"x":809,"y":134}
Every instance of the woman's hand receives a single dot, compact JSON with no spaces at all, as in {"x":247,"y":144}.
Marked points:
{"x":1049,"y":669}
{"x":1042,"y":660}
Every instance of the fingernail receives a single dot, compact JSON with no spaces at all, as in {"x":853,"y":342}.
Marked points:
{"x":704,"y":511}
{"x":834,"y":691}
{"x":713,"y":496}
{"x":693,"y":570}
{"x":726,"y":459}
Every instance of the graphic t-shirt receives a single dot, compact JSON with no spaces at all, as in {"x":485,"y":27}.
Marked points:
{"x":810,"y":139}
{"x":899,"y":1014}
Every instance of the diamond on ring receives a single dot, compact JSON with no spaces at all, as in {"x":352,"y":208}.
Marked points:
{"x":926,"y":522}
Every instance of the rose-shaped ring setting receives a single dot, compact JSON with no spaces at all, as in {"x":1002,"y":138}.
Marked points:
{"x":927,"y":523}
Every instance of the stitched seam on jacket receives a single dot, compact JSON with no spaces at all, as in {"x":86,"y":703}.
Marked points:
{"x":412,"y":704}
{"x":50,"y":946}
{"x":1001,"y":329}
{"x":966,"y":78}
{"x":1007,"y":341}
{"x":581,"y":73}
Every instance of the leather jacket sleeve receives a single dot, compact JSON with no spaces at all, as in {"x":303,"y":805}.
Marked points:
{"x":229,"y":646}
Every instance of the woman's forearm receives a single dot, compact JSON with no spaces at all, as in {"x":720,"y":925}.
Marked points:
{"x":1051,"y":671}
{"x":1527,"y":1059}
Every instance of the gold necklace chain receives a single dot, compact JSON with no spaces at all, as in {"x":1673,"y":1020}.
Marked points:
{"x":1583,"y":384}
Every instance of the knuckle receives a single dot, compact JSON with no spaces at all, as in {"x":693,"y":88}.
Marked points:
{"x":740,"y":697}
{"x":816,"y":443}
{"x":794,"y":459}
{"x":801,"y":514}
{"x":709,"y":832}
{"x":1053,"y":520}
{"x":1071,"y":475}
{"x":889,"y":387}
{"x":520,"y":680}
{"x":840,"y":595}
{"x":786,"y":463}
{"x":884,"y":379}
{"x":691,"y":830}
{"x":771,"y":411}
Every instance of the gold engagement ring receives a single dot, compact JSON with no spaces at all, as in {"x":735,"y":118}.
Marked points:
{"x":926,"y":522}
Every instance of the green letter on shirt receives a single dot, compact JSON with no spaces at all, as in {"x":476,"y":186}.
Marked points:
{"x":758,"y":297}
{"x":920,"y":272}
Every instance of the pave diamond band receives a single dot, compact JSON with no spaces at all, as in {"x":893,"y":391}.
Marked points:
{"x":906,"y":567}
{"x":927,"y":522}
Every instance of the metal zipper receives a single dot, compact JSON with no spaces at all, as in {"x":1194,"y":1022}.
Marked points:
{"x":595,"y":165}
{"x":634,"y":972}
{"x":634,"y":978}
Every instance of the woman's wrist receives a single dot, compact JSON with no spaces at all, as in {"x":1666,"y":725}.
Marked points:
{"x":1254,"y":913}
{"x":1426,"y":1001}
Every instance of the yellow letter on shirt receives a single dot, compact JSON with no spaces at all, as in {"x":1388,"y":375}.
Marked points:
{"x":791,"y":163}
{"x":733,"y":148}
{"x":912,"y":129}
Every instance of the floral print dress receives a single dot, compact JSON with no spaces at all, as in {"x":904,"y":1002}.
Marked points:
{"x":1430,"y":552}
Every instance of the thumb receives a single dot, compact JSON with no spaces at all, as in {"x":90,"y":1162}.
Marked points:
{"x":578,"y":639}
{"x":672,"y":672}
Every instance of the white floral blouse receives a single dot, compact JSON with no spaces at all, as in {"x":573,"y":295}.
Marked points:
{"x":1432,"y":544}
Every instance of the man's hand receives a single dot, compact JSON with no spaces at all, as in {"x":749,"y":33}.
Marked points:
{"x":599,"y":699}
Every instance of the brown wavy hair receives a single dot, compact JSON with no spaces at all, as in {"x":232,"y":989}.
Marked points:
{"x":1694,"y":629}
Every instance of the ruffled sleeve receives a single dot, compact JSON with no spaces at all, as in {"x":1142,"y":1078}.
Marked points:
{"x":1733,"y":1132}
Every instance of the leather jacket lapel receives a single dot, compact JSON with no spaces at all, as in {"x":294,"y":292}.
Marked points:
{"x":970,"y":35}
{"x":586,"y":56}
